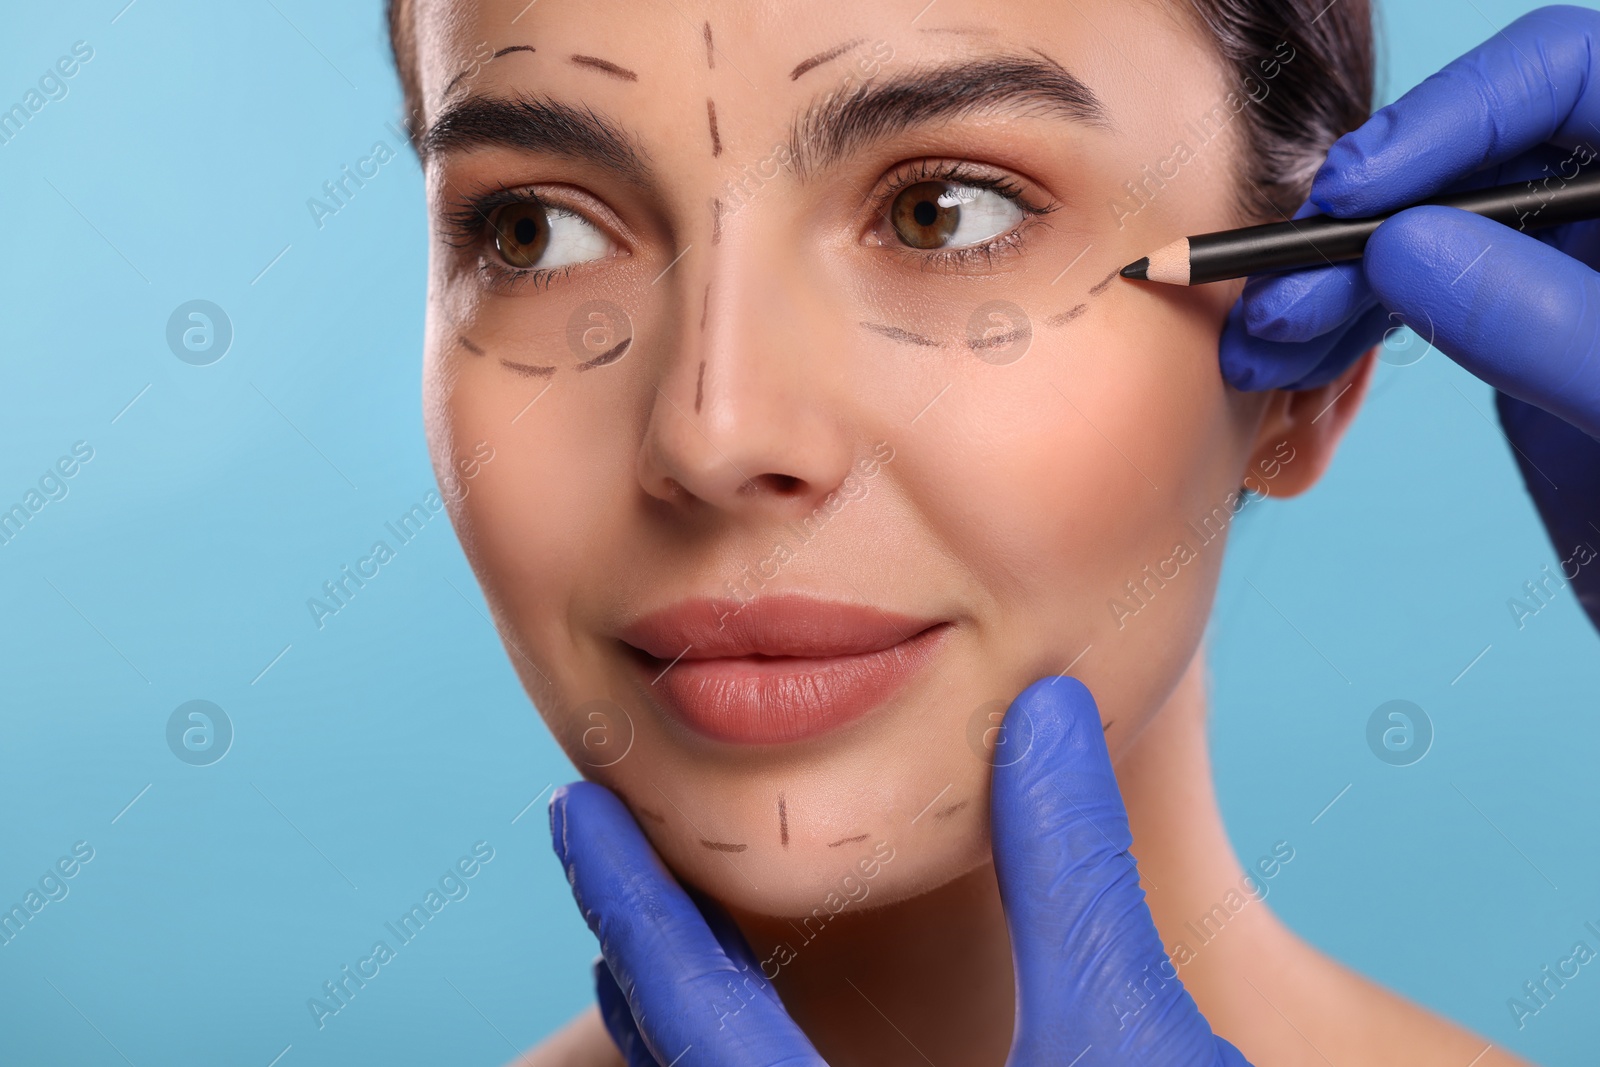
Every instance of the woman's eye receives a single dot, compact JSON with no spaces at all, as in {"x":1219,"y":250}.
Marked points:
{"x":531,"y":234}
{"x":948,"y":215}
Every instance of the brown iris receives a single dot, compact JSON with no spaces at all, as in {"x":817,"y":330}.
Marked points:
{"x":521,"y":233}
{"x":920,"y":219}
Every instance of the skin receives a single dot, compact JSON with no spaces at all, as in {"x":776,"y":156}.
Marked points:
{"x":1022,"y":495}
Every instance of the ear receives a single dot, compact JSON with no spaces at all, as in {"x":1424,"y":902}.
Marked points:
{"x":1300,"y":431}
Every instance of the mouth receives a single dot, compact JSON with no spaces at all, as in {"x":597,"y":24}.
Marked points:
{"x":777,"y":669}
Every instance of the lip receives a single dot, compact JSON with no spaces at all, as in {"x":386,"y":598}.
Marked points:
{"x":777,"y":669}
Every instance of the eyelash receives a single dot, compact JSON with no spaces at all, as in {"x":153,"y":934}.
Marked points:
{"x":468,"y":228}
{"x":971,"y":175}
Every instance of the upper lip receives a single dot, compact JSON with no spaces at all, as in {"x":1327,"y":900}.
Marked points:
{"x":780,"y":625}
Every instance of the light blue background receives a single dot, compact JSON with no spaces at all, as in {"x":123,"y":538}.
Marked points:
{"x":374,"y":753}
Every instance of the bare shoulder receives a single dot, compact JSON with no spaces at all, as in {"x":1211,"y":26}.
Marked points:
{"x":583,"y":1042}
{"x":1284,"y":1002}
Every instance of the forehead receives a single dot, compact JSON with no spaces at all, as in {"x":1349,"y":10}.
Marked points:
{"x":758,"y":64}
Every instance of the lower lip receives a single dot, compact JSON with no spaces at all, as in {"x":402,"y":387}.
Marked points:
{"x":776,"y":700}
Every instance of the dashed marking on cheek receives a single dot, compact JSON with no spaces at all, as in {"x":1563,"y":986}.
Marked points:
{"x":807,"y":65}
{"x":1066,"y":316}
{"x":705,"y":306}
{"x":847,"y":840}
{"x":466,"y":342}
{"x":783,"y":811}
{"x":609,"y":356}
{"x":605,"y":66}
{"x":1101,"y":286}
{"x":895,"y":333}
{"x":722,"y":846}
{"x":711,"y":51}
{"x":945,"y":813}
{"x":653,"y":816}
{"x":716,"y":221}
{"x":711,"y":116}
{"x":999,"y":340}
{"x":527,"y":369}
{"x":1107,"y":725}
{"x":699,"y":396}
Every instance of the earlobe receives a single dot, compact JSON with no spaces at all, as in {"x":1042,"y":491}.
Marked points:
{"x":1301,"y":430}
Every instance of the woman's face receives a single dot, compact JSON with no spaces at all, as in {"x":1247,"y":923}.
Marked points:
{"x":817,"y":423}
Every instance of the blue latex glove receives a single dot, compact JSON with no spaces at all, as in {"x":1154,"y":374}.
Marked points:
{"x":676,"y":975}
{"x":1521,"y":312}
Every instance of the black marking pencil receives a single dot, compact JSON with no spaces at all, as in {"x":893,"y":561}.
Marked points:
{"x":1318,"y":240}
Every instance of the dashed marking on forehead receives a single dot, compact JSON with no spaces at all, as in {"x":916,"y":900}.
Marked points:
{"x":965,"y":31}
{"x":716,"y":221}
{"x":711,"y":50}
{"x":605,"y":66}
{"x":1101,"y":286}
{"x":711,"y":116}
{"x":807,"y":65}
{"x":479,"y":66}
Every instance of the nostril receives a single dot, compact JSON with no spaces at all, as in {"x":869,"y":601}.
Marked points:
{"x":781,"y":484}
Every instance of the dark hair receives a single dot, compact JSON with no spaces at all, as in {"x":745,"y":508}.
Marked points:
{"x":1318,"y":96}
{"x":1321,"y":92}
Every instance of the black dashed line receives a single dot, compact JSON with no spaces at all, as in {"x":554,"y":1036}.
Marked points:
{"x":722,"y":846}
{"x":605,"y":66}
{"x":528,"y":369}
{"x":1100,"y":287}
{"x":1066,"y":316}
{"x":895,"y":333}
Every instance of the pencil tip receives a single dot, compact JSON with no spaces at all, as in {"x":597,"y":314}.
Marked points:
{"x":1139,"y":270}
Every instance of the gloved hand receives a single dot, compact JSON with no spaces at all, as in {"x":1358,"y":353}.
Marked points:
{"x":1520,"y":311}
{"x":674,"y":975}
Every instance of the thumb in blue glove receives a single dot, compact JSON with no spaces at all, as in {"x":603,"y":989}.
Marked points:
{"x":1081,"y":933}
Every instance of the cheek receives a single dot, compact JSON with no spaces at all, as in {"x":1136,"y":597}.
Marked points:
{"x":1059,"y":479}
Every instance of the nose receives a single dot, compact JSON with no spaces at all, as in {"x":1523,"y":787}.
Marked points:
{"x":751,"y":412}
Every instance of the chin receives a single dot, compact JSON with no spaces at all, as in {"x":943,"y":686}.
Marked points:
{"x":887,"y":861}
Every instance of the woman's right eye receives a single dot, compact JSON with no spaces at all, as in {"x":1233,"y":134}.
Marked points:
{"x":532,"y":235}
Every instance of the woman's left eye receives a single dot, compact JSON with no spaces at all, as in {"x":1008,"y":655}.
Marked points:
{"x":529,"y":235}
{"x":932,"y":215}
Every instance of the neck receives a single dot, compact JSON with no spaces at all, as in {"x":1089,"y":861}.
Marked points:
{"x":930,"y":979}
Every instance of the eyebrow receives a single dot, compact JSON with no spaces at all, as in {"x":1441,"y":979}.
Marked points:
{"x":843,"y":122}
{"x":534,"y":124}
